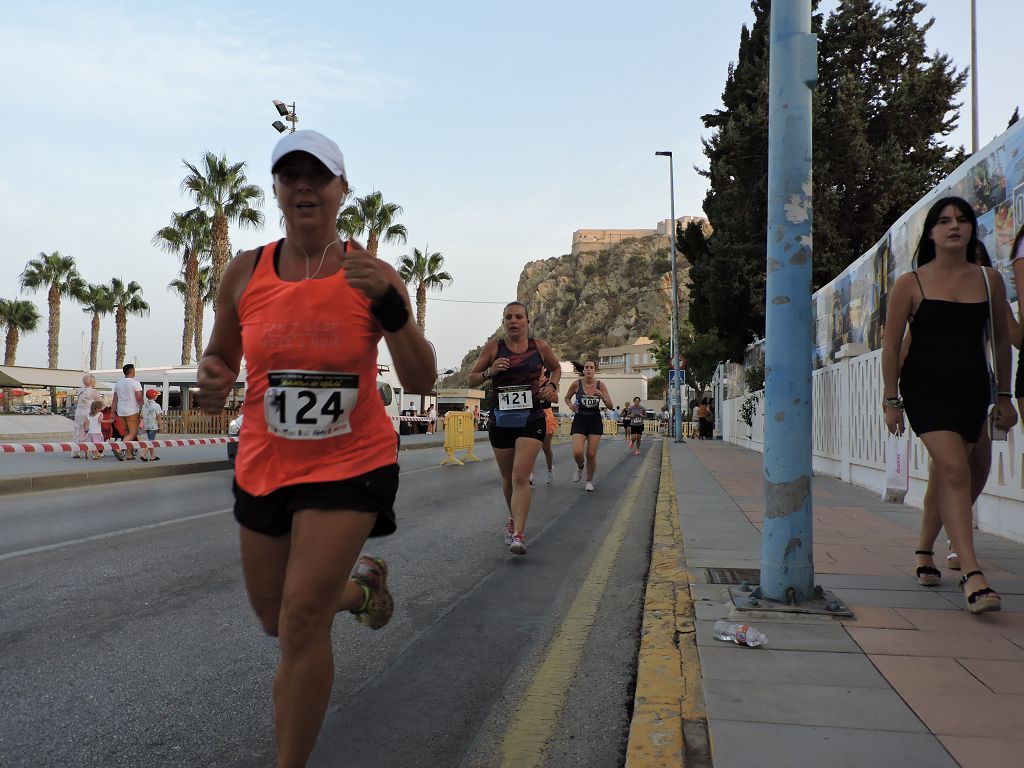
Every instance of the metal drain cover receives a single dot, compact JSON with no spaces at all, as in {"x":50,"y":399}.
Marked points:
{"x":733,"y":575}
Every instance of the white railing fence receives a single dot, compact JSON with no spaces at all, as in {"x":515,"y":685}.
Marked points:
{"x":849,"y":442}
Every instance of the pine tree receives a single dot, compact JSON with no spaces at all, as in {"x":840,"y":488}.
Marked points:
{"x":881,"y":111}
{"x":727,"y":274}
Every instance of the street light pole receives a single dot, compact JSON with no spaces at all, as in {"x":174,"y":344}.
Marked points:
{"x":676,"y":384}
{"x":787,"y":559}
{"x":974,"y":77}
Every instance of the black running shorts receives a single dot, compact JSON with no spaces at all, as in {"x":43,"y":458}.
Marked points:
{"x":272,"y":514}
{"x":587,"y":424}
{"x":504,"y":437}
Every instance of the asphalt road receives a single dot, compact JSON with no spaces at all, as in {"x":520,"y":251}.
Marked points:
{"x":126,"y":638}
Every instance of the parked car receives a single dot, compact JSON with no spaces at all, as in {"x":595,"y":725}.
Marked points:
{"x":387,"y":395}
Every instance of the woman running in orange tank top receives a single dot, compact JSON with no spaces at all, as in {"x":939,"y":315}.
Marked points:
{"x":315,"y":472}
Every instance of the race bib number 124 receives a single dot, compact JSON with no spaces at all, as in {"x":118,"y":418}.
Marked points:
{"x":310,"y":405}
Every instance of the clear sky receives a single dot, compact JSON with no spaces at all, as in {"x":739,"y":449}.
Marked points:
{"x":499,"y":128}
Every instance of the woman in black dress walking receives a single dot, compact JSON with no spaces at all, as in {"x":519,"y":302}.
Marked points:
{"x":946,"y":301}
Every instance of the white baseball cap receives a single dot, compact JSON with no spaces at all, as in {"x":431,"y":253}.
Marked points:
{"x":316,"y":144}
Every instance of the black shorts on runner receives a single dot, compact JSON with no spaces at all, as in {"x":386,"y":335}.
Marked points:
{"x":587,"y":424}
{"x":636,"y":429}
{"x":272,"y":514}
{"x":505,"y":437}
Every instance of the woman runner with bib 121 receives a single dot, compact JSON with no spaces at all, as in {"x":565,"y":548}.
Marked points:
{"x":315,"y":474}
{"x":516,"y":425}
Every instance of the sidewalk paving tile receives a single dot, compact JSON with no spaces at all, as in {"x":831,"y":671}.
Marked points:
{"x":901,"y":642}
{"x":770,"y":665}
{"x":764,"y":745}
{"x":999,"y":676}
{"x":993,"y":715}
{"x":985,"y":752}
{"x":925,"y":673}
{"x":828,"y":705}
{"x":879,"y":617}
{"x":921,"y":597}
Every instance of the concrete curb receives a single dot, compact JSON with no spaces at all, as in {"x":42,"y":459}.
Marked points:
{"x":669,"y":725}
{"x":120,"y":475}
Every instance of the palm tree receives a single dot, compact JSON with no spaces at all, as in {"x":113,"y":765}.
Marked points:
{"x":127,"y":298}
{"x":96,"y":299}
{"x":204,"y":299}
{"x":426,"y":270}
{"x":59,"y":275}
{"x":370,"y":214}
{"x":189,"y":236}
{"x":17,"y":316}
{"x":222,"y":189}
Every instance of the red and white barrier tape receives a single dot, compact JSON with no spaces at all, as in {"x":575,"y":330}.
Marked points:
{"x":421,"y":419}
{"x":67,"y":447}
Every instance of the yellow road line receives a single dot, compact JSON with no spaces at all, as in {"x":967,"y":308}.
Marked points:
{"x":668,"y":683}
{"x":537,"y":714}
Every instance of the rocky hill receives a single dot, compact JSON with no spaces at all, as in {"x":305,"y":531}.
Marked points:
{"x":603,"y":299}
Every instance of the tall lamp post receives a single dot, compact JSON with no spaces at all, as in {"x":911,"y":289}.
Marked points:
{"x":787,"y":563}
{"x":676,"y":382}
{"x":288,"y":113}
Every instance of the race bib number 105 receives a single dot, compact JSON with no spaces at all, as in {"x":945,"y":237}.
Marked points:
{"x":310,"y":405}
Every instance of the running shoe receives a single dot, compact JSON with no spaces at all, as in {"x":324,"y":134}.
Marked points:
{"x":551,"y":477}
{"x":518,"y":545}
{"x":531,"y":478}
{"x":590,"y":486}
{"x":577,"y":474}
{"x":371,"y":573}
{"x":637,"y":451}
{"x":510,"y":531}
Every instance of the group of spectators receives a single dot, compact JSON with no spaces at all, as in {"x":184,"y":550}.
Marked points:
{"x":96,"y":423}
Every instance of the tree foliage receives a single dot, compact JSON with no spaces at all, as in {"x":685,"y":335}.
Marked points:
{"x":370,"y":214}
{"x":127,"y":299}
{"x":425,"y":272}
{"x":882,"y":108}
{"x":222,"y":190}
{"x":189,"y":236}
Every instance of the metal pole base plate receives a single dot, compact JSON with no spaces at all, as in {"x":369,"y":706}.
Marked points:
{"x":824,"y":603}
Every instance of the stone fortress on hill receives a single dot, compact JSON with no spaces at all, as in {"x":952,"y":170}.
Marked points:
{"x":591,"y":240}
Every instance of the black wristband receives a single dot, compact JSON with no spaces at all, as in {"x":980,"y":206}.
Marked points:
{"x":390,"y":310}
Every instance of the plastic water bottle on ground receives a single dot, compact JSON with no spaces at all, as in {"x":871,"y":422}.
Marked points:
{"x":741,"y":634}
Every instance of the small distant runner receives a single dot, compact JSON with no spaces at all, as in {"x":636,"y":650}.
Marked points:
{"x":636,"y":414}
{"x":584,"y":397}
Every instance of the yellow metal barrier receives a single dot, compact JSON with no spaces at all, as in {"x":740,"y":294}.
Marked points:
{"x":611,"y":428}
{"x":564,"y":427}
{"x":459,"y":434}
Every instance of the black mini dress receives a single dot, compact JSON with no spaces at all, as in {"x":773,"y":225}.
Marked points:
{"x":945,"y":382}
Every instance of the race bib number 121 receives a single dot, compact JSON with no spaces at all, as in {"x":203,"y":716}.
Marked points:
{"x":310,"y":405}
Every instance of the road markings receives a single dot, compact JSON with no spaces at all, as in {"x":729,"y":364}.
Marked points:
{"x":110,"y":534}
{"x":537,"y":714}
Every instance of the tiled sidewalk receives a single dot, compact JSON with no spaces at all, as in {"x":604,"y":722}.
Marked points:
{"x":912,"y":680}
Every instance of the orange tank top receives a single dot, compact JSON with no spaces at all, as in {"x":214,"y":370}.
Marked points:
{"x":312,"y":410}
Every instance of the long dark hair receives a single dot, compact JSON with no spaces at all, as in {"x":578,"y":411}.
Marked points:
{"x":1016,"y":244}
{"x":926,"y":246}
